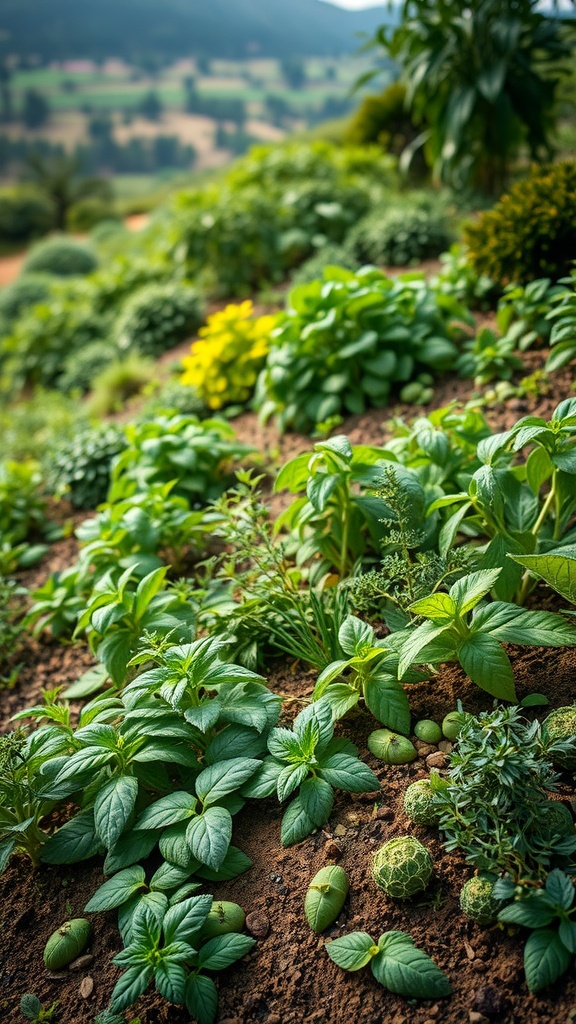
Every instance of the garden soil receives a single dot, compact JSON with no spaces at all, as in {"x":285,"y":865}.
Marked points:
{"x":288,"y":978}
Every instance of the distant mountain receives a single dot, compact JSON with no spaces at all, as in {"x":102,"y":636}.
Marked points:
{"x":66,"y":29}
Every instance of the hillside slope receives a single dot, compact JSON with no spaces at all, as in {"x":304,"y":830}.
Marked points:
{"x":96,"y":29}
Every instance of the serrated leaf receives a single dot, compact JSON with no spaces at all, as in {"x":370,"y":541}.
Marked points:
{"x":316,"y":798}
{"x":208,"y":836}
{"x":73,"y":842}
{"x":352,"y":952}
{"x":201,"y":999}
{"x":117,"y":890}
{"x":557,"y":568}
{"x":348,"y":773}
{"x":470,"y":589}
{"x":406,"y":970}
{"x":168,"y":810}
{"x":387,"y":701}
{"x":130,"y":987}
{"x":354,"y":634}
{"x":225,"y":777}
{"x":112,"y":808}
{"x":560,"y":888}
{"x":235,"y":863}
{"x":440,"y":608}
{"x":296,"y":824}
{"x":486,"y":663}
{"x":183,"y":921}
{"x":220,"y":952}
{"x":545,"y":959}
{"x":170,"y":981}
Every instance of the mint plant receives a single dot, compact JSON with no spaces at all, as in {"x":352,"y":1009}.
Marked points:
{"x":164,"y":945}
{"x":309,"y":759}
{"x":549,"y":913}
{"x":454,"y":631}
{"x":395,"y":962}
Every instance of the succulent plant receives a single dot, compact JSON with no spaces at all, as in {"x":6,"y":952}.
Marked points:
{"x":67,"y":943}
{"x":325,"y":897}
{"x":477,"y":899}
{"x":428,"y":731}
{"x":402,"y":867}
{"x":223,"y":918}
{"x":391,"y":747}
{"x":561,"y":725}
{"x":419,"y":803}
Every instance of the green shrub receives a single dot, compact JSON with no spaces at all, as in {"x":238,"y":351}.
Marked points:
{"x":21,"y":507}
{"x":125,"y":274}
{"x":79,"y":467}
{"x":41,"y":339}
{"x":331,"y":255}
{"x":157,"y":317}
{"x":107,"y":229}
{"x":26,"y":291}
{"x":531,"y":232}
{"x":86,"y":213}
{"x":173,"y":397}
{"x":347,"y":339}
{"x":61,"y":256}
{"x":80,"y":368}
{"x":384,"y":119}
{"x":400,"y":236}
{"x":24,"y":215}
{"x":121,"y":380}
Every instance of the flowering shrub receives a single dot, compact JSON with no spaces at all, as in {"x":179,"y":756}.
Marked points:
{"x":225,"y":362}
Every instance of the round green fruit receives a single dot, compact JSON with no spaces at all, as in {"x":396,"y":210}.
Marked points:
{"x":419,"y":803}
{"x":403,"y":867}
{"x":390,"y":747}
{"x":428,"y":731}
{"x":223,"y":918}
{"x":411,"y":392}
{"x":452,"y":724}
{"x":67,"y":943}
{"x":477,"y":899}
{"x":556,"y":820}
{"x":325,"y":897}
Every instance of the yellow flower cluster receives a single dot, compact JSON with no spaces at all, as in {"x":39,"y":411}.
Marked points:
{"x":226,"y":360}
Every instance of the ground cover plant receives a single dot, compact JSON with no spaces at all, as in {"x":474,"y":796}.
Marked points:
{"x":261,"y":658}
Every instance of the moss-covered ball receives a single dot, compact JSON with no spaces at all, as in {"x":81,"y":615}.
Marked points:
{"x":556,"y":820}
{"x":477,"y":899}
{"x":561,"y":725}
{"x":419,"y":803}
{"x":402,"y":867}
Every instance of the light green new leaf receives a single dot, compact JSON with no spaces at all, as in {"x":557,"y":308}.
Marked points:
{"x":486,"y":663}
{"x":223,"y":950}
{"x":351,"y":952}
{"x":557,"y":568}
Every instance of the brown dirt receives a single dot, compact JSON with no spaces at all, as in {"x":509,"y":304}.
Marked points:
{"x":288,"y":978}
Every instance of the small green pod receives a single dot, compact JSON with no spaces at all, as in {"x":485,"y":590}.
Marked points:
{"x":411,"y":392}
{"x":428,"y":731}
{"x":223,"y":918}
{"x":452,"y":724}
{"x":325,"y":897}
{"x":391,"y":747}
{"x":67,"y":943}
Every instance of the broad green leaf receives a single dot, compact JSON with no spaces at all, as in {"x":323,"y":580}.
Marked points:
{"x":183,"y":921}
{"x":289,"y":779}
{"x":414,"y":642}
{"x":73,"y":842}
{"x":170,"y":981}
{"x":201,"y":999}
{"x":130,"y":987}
{"x":406,"y":970}
{"x":235,"y":863}
{"x":485,"y":661}
{"x":545,"y":959}
{"x":220,"y":952}
{"x":469,"y":590}
{"x":388,"y":703}
{"x":557,"y":568}
{"x":147,"y":589}
{"x":340,"y":698}
{"x":117,"y":890}
{"x":540,"y":629}
{"x":438,"y":607}
{"x":567,"y":935}
{"x":531,"y":912}
{"x":89,"y":682}
{"x":317,"y":798}
{"x":209,"y":835}
{"x":173,"y":845}
{"x":169,"y":876}
{"x":296,"y":824}
{"x":354,"y":634}
{"x":263,"y":782}
{"x":113,"y":806}
{"x":167,"y":811}
{"x":348,"y":773}
{"x":6,"y":850}
{"x":218,"y":780}
{"x":351,"y":952}
{"x":560,"y":889}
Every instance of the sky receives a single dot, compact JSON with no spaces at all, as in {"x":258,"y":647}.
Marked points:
{"x":356,"y":5}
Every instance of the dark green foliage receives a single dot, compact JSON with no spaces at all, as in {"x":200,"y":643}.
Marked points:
{"x":11,"y":611}
{"x":80,"y":368}
{"x":563,"y":336}
{"x":86,"y":213}
{"x":172,"y":397}
{"x":499,"y":779}
{"x":26,"y":291}
{"x":157,"y":317}
{"x":383,"y":119}
{"x":80,"y":466}
{"x":400,"y":236}
{"x":62,"y":257}
{"x":24,"y":215}
{"x":531,"y":232}
{"x":331,"y":255}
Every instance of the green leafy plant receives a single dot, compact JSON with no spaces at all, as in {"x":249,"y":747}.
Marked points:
{"x":548,"y":913}
{"x":453,"y":631}
{"x":79,"y":467}
{"x":157,"y":317}
{"x":395,"y":962}
{"x":527,"y":308}
{"x":496,"y":798}
{"x":563,"y":333}
{"x":81,"y":368}
{"x":24,"y":292}
{"x":347,"y":339}
{"x":459,"y":279}
{"x":530,"y":232}
{"x":32,"y":1009}
{"x":310,"y":759}
{"x":62,"y":257}
{"x":399,"y":236}
{"x":488,"y":356}
{"x":122,"y":379}
{"x":22,"y":805}
{"x":164,"y":946}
